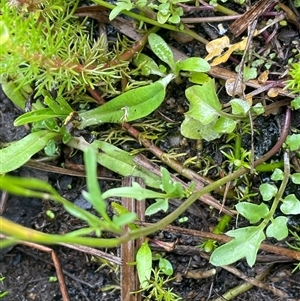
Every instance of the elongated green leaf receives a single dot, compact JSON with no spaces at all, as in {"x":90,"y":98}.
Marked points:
{"x":122,"y":163}
{"x":246,"y":244}
{"x":94,"y":195}
{"x":194,"y":64}
{"x":144,"y":264}
{"x":35,"y":116}
{"x":161,"y":49}
{"x":21,"y":151}
{"x":135,"y":191}
{"x":131,"y":105}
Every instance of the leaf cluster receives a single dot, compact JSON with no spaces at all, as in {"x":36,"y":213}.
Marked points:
{"x":247,"y":240}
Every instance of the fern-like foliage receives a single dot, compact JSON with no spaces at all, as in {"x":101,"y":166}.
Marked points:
{"x":42,"y":43}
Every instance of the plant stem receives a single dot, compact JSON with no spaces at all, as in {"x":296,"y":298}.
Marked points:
{"x":154,"y":22}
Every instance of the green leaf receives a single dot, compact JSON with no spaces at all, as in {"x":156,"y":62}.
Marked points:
{"x":35,"y":116}
{"x":194,"y":129}
{"x":131,"y":105}
{"x":252,"y":212}
{"x":225,"y":125}
{"x":198,"y":78}
{"x":277,"y":175}
{"x":165,"y":266}
{"x":160,"y":204}
{"x":204,"y":103}
{"x":258,"y":109}
{"x":162,"y":19}
{"x":293,"y":142}
{"x":278,"y":228}
{"x":17,"y":96}
{"x":147,"y":65}
{"x":121,"y":5}
{"x":194,"y":64}
{"x":124,"y":219}
{"x":173,"y":189}
{"x":267,"y":191}
{"x":94,"y":195}
{"x":175,"y":19}
{"x":4,"y":33}
{"x":295,"y":178}
{"x":249,"y":73}
{"x":161,"y":49}
{"x":144,"y":264}
{"x":135,"y":191}
{"x":246,"y":244}
{"x":290,"y":205}
{"x":240,"y":106}
{"x":60,"y":106}
{"x":18,"y":153}
{"x":295,"y":103}
{"x":122,"y":163}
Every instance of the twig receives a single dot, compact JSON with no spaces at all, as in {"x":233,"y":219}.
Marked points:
{"x":129,"y":278}
{"x":241,"y":24}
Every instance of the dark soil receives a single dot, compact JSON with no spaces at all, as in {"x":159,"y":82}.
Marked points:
{"x":27,"y":271}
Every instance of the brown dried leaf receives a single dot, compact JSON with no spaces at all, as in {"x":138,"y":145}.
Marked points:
{"x":262,"y":79}
{"x":233,"y":89}
{"x":273,"y":92}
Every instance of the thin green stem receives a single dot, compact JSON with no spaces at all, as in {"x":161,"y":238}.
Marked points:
{"x":154,"y":22}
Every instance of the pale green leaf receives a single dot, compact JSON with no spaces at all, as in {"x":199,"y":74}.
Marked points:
{"x":267,"y":191}
{"x":159,"y":205}
{"x":277,"y":175}
{"x":194,"y":129}
{"x":240,"y":106}
{"x":295,"y":178}
{"x":144,"y":264}
{"x":194,"y":64}
{"x":19,"y":152}
{"x":225,"y":125}
{"x":204,"y":103}
{"x":165,"y":266}
{"x":253,"y":212}
{"x":290,"y":205}
{"x":161,"y":49}
{"x":278,"y":228}
{"x":246,"y":244}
